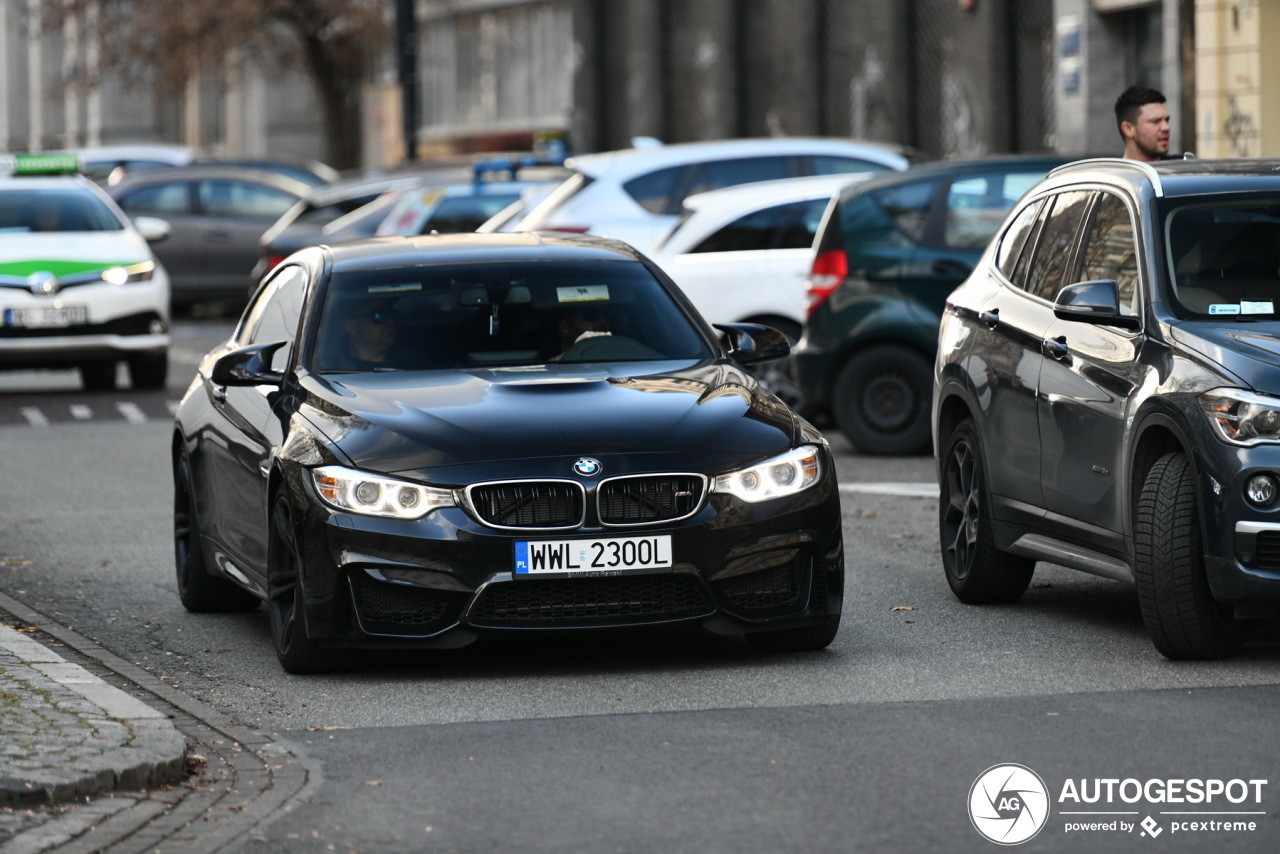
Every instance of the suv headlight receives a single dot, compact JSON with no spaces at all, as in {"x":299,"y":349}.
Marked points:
{"x":786,"y":474}
{"x":1242,"y":417}
{"x":140,"y":272}
{"x":374,"y":495}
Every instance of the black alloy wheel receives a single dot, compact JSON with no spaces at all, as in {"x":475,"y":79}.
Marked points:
{"x":199,"y":591}
{"x":297,"y":652}
{"x":1178,"y":609}
{"x":978,"y":572}
{"x":881,"y":400}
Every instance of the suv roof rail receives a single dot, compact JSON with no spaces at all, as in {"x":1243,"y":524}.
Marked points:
{"x":1141,"y":165}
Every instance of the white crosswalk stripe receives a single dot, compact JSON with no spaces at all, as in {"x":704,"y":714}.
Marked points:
{"x":131,"y":413}
{"x":905,"y":490}
{"x":80,"y":412}
{"x":34,"y":416}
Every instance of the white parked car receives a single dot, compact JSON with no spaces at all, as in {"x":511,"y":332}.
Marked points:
{"x":742,"y":254}
{"x":636,"y":194}
{"x":79,"y":285}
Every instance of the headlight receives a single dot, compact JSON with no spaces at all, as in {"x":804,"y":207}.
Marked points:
{"x":1242,"y":417}
{"x":373,"y":495}
{"x":140,"y":272}
{"x":792,"y":472}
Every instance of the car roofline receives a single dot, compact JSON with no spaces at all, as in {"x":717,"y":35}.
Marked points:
{"x":1142,"y":166}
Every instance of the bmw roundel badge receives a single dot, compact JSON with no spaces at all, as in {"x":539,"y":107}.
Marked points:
{"x":588,"y":467}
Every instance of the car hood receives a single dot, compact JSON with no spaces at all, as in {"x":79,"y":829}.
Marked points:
{"x":507,"y":423}
{"x":69,"y":253}
{"x":1250,"y":351}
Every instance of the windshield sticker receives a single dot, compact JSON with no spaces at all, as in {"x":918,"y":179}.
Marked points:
{"x":1224,"y":308}
{"x":395,"y":289}
{"x":583,"y":293}
{"x":1257,"y":307}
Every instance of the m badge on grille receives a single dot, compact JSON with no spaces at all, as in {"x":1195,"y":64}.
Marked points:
{"x":588,"y":467}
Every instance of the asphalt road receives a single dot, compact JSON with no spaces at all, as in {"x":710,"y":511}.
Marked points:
{"x":666,"y":743}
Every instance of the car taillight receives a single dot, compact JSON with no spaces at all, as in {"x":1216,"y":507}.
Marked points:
{"x":829,"y":269}
{"x":273,"y":261}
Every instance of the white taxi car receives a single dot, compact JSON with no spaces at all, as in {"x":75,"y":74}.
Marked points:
{"x":79,"y":285}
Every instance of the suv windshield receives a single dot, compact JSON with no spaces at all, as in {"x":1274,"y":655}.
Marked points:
{"x":1223,"y":257}
{"x":453,"y":316}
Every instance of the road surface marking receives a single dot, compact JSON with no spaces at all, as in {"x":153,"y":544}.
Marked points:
{"x":80,"y":412}
{"x":34,"y":416}
{"x":131,"y":412}
{"x":905,"y":490}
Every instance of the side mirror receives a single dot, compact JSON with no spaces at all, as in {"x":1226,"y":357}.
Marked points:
{"x":1093,"y":302}
{"x":751,"y":342}
{"x":153,"y":229}
{"x":248,"y":366}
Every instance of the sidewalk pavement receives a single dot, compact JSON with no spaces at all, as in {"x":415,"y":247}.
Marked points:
{"x":66,"y":734}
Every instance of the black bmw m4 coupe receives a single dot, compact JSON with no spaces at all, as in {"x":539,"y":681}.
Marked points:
{"x":414,"y":442}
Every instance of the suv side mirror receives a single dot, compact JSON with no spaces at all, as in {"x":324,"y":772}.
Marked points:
{"x":1095,"y":302}
{"x":751,"y":342}
{"x":248,"y":366}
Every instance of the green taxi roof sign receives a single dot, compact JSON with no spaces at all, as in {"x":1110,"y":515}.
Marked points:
{"x":39,"y":164}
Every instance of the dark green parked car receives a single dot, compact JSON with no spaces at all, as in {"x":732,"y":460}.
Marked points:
{"x":888,"y":253}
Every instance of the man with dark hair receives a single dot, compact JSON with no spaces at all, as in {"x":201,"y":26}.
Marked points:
{"x":1143,"y":121}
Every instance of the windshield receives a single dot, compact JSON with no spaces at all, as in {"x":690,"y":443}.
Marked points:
{"x":500,"y":314}
{"x":1224,"y":257}
{"x":54,"y":210}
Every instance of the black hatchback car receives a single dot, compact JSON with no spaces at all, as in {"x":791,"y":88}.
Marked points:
{"x":411,"y":442}
{"x":1107,"y":396}
{"x":888,"y":252}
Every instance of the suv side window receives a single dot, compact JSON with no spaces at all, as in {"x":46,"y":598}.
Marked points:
{"x":653,"y":191}
{"x":976,"y":206}
{"x":1015,"y":238}
{"x":169,"y":198}
{"x":789,"y":226}
{"x":730,"y":173}
{"x":1110,"y":251}
{"x":1050,"y":267}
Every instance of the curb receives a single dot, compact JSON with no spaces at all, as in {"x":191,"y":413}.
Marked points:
{"x":103,"y":739}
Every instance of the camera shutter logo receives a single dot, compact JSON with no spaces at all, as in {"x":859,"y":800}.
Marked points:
{"x":1008,"y":804}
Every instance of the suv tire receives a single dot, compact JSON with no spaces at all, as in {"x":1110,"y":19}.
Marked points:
{"x":978,"y":572}
{"x":1179,"y":611}
{"x":881,"y":400}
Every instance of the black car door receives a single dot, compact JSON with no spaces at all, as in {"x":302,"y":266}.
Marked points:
{"x":1088,"y":376}
{"x":246,"y":425}
{"x":1013,"y":321}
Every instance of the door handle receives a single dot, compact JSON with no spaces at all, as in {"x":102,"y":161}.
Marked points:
{"x":990,"y":318}
{"x":1056,"y":348}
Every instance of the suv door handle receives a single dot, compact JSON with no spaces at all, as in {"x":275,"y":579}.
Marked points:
{"x":1056,"y":348}
{"x":990,"y":318}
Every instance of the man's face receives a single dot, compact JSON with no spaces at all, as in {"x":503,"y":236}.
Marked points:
{"x":372,"y":334}
{"x":1149,"y":132}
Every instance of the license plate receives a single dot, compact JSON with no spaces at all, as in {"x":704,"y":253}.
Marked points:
{"x":46,"y":318}
{"x":603,"y":556}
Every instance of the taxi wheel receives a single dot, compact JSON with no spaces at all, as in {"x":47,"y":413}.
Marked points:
{"x":1178,"y":609}
{"x":804,"y":639}
{"x":98,"y":376}
{"x":285,"y":600}
{"x":978,"y":572}
{"x":199,"y":591}
{"x":149,"y":371}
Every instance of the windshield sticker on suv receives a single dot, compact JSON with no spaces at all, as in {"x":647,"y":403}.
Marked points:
{"x":1224,"y":308}
{"x":583,"y":293}
{"x":1257,"y":307}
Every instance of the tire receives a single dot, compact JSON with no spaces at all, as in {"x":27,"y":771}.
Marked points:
{"x":881,"y":400}
{"x":978,"y":572}
{"x":199,"y":591}
{"x":285,"y":600}
{"x":98,"y":376}
{"x":149,"y":371}
{"x":1178,"y":609}
{"x":803,"y":639}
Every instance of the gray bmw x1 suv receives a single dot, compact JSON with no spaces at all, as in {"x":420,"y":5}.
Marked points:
{"x":1107,"y":396}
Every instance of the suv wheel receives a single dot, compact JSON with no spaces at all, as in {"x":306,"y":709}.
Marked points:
{"x":978,"y":572}
{"x":881,"y":400}
{"x":1181,"y":615}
